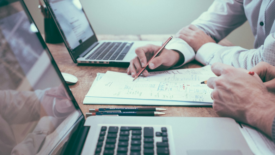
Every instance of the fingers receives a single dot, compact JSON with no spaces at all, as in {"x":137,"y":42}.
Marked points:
{"x":220,"y":68}
{"x":211,"y":82}
{"x":146,"y":50}
{"x":135,"y":67}
{"x":270,"y":85}
{"x":265,"y":71}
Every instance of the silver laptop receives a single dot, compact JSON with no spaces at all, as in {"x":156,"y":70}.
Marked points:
{"x":39,"y":115}
{"x":81,"y":41}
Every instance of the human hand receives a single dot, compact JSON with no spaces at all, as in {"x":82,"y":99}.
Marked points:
{"x":56,"y":102}
{"x":242,"y":96}
{"x":194,"y":36}
{"x":267,"y":73}
{"x":166,"y":59}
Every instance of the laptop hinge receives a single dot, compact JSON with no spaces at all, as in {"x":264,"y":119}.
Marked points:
{"x":88,"y":50}
{"x":78,"y":140}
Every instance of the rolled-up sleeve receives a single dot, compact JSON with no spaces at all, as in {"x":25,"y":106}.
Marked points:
{"x":237,"y":56}
{"x":221,"y":18}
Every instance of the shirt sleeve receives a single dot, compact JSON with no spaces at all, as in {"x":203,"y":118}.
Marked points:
{"x":221,"y":18}
{"x":182,"y":47}
{"x":237,"y":56}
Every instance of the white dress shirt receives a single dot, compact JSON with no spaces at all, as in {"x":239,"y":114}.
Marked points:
{"x":223,"y":17}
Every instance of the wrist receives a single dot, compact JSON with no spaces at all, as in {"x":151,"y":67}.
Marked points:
{"x":179,"y":58}
{"x":265,"y":113}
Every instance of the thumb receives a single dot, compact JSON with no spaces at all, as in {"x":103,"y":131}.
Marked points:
{"x":156,"y":62}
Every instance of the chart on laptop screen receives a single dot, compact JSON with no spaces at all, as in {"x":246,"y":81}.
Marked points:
{"x":70,"y":16}
{"x":35,"y":109}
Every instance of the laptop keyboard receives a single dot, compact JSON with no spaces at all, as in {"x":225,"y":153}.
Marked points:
{"x":111,"y":51}
{"x":127,"y":140}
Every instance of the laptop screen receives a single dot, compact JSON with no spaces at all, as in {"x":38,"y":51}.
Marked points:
{"x":36,"y":108}
{"x":72,"y":21}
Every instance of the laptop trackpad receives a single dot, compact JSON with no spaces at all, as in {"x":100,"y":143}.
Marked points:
{"x":214,"y":152}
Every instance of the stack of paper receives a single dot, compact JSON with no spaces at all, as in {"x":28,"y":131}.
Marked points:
{"x":174,"y":87}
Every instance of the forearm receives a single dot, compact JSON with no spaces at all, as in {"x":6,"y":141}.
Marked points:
{"x":237,"y":56}
{"x":221,"y":18}
{"x":19,"y":107}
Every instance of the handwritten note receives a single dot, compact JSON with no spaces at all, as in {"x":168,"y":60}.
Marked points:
{"x":177,"y":85}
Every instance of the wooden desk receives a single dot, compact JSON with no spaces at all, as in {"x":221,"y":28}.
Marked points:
{"x":87,"y":74}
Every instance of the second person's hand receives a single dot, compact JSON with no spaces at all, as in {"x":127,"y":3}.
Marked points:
{"x":166,"y":59}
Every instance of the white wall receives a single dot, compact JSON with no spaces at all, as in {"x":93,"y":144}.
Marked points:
{"x":146,"y":17}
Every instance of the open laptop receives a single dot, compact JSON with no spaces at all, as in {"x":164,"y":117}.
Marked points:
{"x":39,"y":115}
{"x":80,"y":38}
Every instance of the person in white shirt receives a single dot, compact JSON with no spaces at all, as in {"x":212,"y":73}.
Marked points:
{"x":199,"y":40}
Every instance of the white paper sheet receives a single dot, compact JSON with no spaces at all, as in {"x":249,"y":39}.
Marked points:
{"x":161,"y":88}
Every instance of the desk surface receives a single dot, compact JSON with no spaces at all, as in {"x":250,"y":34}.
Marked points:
{"x":87,"y":74}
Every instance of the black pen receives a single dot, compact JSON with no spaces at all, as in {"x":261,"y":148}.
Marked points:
{"x":126,"y":109}
{"x":129,"y":113}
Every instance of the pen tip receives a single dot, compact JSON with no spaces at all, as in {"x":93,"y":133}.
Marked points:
{"x":93,"y":110}
{"x":159,"y":113}
{"x":160,"y":109}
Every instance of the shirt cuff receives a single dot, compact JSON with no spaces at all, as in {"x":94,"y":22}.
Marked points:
{"x":207,"y":52}
{"x":181,"y":46}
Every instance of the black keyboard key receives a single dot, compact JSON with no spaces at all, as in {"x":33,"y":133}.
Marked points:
{"x":99,"y":144}
{"x":121,"y":153}
{"x":104,"y":128}
{"x":163,"y":129}
{"x":115,"y":55}
{"x":124,"y":52}
{"x":98,"y":150}
{"x":135,"y":148}
{"x":110,"y":146}
{"x":111,"y":141}
{"x":101,"y":138}
{"x":97,"y":153}
{"x":97,"y":52}
{"x":123,"y":138}
{"x":105,"y":51}
{"x":136,"y":142}
{"x":162,"y":144}
{"x":123,"y":143}
{"x":111,"y":52}
{"x":164,"y":139}
{"x":164,"y":150}
{"x":158,"y":134}
{"x":136,"y":132}
{"x":135,"y":153}
{"x":102,"y":133}
{"x":113,"y":129}
{"x":122,"y":149}
{"x":148,"y":145}
{"x":148,"y":140}
{"x":127,"y":128}
{"x":107,"y":152}
{"x":136,"y":137}
{"x":112,"y":135}
{"x":148,"y":132}
{"x":164,"y":134}
{"x":124,"y":133}
{"x":148,"y":151}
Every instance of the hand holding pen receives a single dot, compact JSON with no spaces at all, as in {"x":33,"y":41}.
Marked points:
{"x":165,"y":60}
